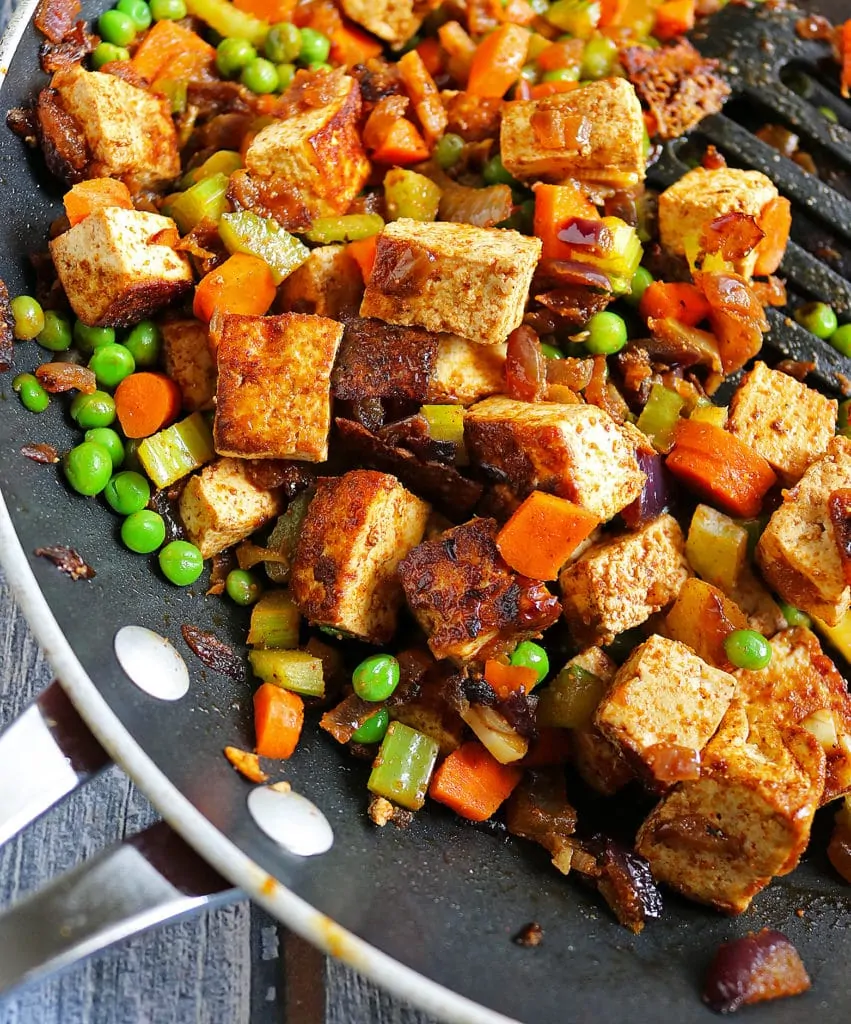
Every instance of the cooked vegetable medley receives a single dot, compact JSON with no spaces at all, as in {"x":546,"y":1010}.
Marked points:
{"x":376,"y":295}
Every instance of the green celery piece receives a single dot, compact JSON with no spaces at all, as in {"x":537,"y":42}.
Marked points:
{"x":285,"y":534}
{"x":223,"y":161}
{"x":660,"y":416}
{"x":291,"y":670}
{"x":578,"y":17}
{"x":175,"y":90}
{"x":263,"y":237}
{"x":229,"y":20}
{"x":205,"y":200}
{"x":177,"y":450}
{"x":717,"y":547}
{"x":402,"y":769}
{"x":411,"y":195}
{"x":275,"y":621}
{"x":623,"y":261}
{"x":352,"y":227}
{"x":445,"y":422}
{"x":571,"y":699}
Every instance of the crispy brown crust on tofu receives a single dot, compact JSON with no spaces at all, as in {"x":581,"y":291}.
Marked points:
{"x":394,"y":21}
{"x":328,"y":284}
{"x":378,"y":360}
{"x":356,"y":530}
{"x":467,"y":600}
{"x":61,"y":137}
{"x":189,"y":362}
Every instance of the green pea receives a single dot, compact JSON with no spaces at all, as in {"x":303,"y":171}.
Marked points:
{"x":376,"y":677}
{"x":87,"y":339}
{"x":748,"y":649}
{"x":88,"y":468}
{"x":56,"y":333}
{"x":606,"y":334}
{"x":641,"y":281}
{"x":168,"y":10}
{"x":131,"y":454}
{"x":137,"y":11}
{"x":144,"y":343}
{"x":598,"y":58}
{"x":374,"y":728}
{"x":561,"y":75}
{"x":94,"y":410}
{"x":841,"y":339}
{"x":448,"y":150}
{"x":143,"y":531}
{"x":260,"y":76}
{"x":286,"y":74}
{"x":494,"y":172}
{"x":829,"y":114}
{"x":127,"y":493}
{"x":283,"y":43}
{"x":242,"y":587}
{"x":111,"y":441}
{"x":111,"y":364}
{"x":32,"y":394}
{"x":794,"y":616}
{"x":116,"y":27}
{"x":106,"y":53}
{"x":315,"y":46}
{"x":529,"y":655}
{"x":181,"y":563}
{"x":550,"y":351}
{"x":232,"y":55}
{"x":818,"y":318}
{"x":29,"y":317}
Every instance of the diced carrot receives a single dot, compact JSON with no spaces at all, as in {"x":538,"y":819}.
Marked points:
{"x":542,"y":89}
{"x":472,"y":782}
{"x":518,"y":12}
{"x":170,"y":50}
{"x":267,"y":10}
{"x":543,"y":533}
{"x":351,"y":45}
{"x":674,"y":300}
{"x":508,"y":679}
{"x":775,"y":220}
{"x":147,"y":402}
{"x":425,"y":96}
{"x":498,"y":61}
{"x":242,"y":284}
{"x":611,"y":12}
{"x":278,"y":718}
{"x":845,"y":47}
{"x":555,"y":205}
{"x":364,"y":254}
{"x":563,"y":54}
{"x":431,"y":54}
{"x":674,"y":18}
{"x":720,"y":468}
{"x":460,"y":50}
{"x":95,"y":194}
{"x":402,"y":144}
{"x":552,"y":747}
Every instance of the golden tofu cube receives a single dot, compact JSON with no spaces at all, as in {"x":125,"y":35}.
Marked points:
{"x":189,"y":362}
{"x":394,"y":21}
{"x":465,"y":372}
{"x":328,"y":283}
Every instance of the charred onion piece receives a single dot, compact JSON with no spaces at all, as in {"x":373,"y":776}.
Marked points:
{"x":214,"y":653}
{"x":531,"y":934}
{"x":343,"y":721}
{"x":654,"y":496}
{"x":733,"y":235}
{"x":538,"y":810}
{"x":58,"y":377}
{"x":246,"y":764}
{"x":753,"y":969}
{"x":67,"y":560}
{"x":839,"y":509}
{"x":45,"y":454}
{"x":670,"y":763}
{"x":525,"y":366}
{"x":55,"y":18}
{"x":627,"y":885}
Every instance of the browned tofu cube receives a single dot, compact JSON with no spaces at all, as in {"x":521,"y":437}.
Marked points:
{"x":273,"y":399}
{"x":452,"y":278}
{"x":328,"y":284}
{"x":379,"y":360}
{"x":189,"y":362}
{"x":394,"y":21}
{"x":470,"y":604}
{"x":465,"y":372}
{"x":357,"y":529}
{"x":798,"y":551}
{"x":663,"y":696}
{"x":576,"y":451}
{"x":784,"y":421}
{"x":594,"y":135}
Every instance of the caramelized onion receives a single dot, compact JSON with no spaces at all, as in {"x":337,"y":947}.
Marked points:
{"x":733,"y":235}
{"x":653,"y":499}
{"x":481,"y":207}
{"x":525,"y":366}
{"x":754,"y":969}
{"x":670,"y":763}
{"x":58,"y":377}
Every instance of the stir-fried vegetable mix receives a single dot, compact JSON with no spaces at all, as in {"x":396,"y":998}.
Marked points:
{"x":376,"y":296}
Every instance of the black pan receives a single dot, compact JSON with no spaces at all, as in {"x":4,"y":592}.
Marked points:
{"x":430,"y":911}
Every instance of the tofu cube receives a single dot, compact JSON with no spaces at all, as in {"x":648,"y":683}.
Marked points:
{"x":797,"y":551}
{"x":379,"y":360}
{"x":328,"y":284}
{"x":465,"y":372}
{"x":189,"y":362}
{"x":619,"y":583}
{"x":452,"y":278}
{"x":273,"y":399}
{"x":576,"y":451}
{"x":117,"y":267}
{"x":784,"y":421}
{"x":594,"y":135}
{"x":394,"y":21}
{"x":357,"y":529}
{"x":721,"y":838}
{"x":663,"y":696}
{"x":129,"y":132}
{"x":469,"y":603}
{"x":220,"y":506}
{"x":316,"y":150}
{"x":690,"y":205}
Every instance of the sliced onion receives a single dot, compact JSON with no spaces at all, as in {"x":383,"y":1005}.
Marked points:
{"x":481,"y":207}
{"x":505,"y":743}
{"x":654,"y":496}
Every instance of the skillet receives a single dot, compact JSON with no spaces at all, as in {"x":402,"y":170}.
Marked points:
{"x":428,"y":912}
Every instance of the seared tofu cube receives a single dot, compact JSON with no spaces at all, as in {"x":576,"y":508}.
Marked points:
{"x":394,"y":21}
{"x":452,"y":278}
{"x":189,"y":362}
{"x":465,"y":372}
{"x":129,"y":132}
{"x":117,"y":266}
{"x":357,"y":529}
{"x":721,"y":838}
{"x":328,"y":283}
{"x":273,"y":399}
{"x":690,"y":205}
{"x":663,"y":696}
{"x":220,"y":506}
{"x":784,"y":421}
{"x":576,"y":451}
{"x":594,"y":135}
{"x":379,"y":360}
{"x":470,"y":604}
{"x":315,"y":150}
{"x":798,"y":551}
{"x":620,"y":582}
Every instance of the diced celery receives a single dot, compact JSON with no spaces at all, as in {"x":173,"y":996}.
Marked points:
{"x":285,"y":534}
{"x":716,"y":547}
{"x":205,"y":200}
{"x":659,"y":417}
{"x":571,"y":699}
{"x":838,"y":635}
{"x":275,"y":621}
{"x":223,"y":161}
{"x":291,"y":670}
{"x":352,"y":227}
{"x":706,"y":412}
{"x":445,"y":422}
{"x":578,"y":17}
{"x":263,"y":237}
{"x":229,"y":20}
{"x":622,"y":262}
{"x":177,"y":450}
{"x":402,"y":769}
{"x":175,"y":90}
{"x":411,"y":195}
{"x":537,"y":45}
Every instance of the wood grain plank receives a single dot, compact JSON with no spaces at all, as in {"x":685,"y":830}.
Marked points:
{"x":352,"y":999}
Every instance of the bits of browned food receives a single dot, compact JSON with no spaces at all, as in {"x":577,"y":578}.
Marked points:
{"x":45,"y":454}
{"x":839,"y":510}
{"x":62,"y":139}
{"x":22,"y":121}
{"x":530,"y":935}
{"x":213,"y":652}
{"x":474,"y":118}
{"x":815,"y":26}
{"x":525,"y":366}
{"x":75,"y":46}
{"x":538,"y":810}
{"x":7,"y":330}
{"x":214,"y":98}
{"x":676,"y":84}
{"x":222,"y":563}
{"x":269,"y":197}
{"x":732,"y":235}
{"x":291,"y":477}
{"x":55,"y":18}
{"x":670,"y":763}
{"x":798,"y":369}
{"x":246,"y":764}
{"x":379,"y":360}
{"x":67,"y":560}
{"x":59,"y":377}
{"x":627,"y":885}
{"x":754,"y":969}
{"x":205,"y":246}
{"x":839,"y":847}
{"x":343,"y":721}
{"x":482,"y":207}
